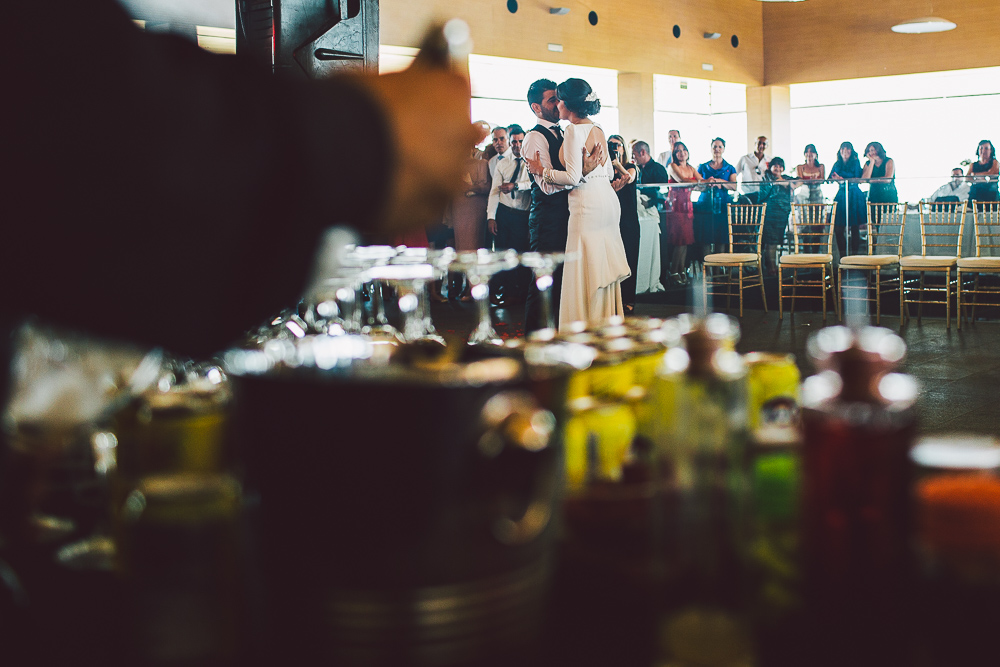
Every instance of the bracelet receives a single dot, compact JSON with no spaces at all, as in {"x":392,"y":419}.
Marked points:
{"x":547,"y":175}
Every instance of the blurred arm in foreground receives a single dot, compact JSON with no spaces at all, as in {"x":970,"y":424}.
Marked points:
{"x":168,"y":196}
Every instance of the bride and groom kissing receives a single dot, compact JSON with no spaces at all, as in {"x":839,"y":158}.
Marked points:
{"x":574,"y":209}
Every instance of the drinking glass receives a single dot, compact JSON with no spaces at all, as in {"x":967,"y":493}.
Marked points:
{"x":410,"y":281}
{"x":544,"y":265}
{"x":478,"y":268}
{"x":377,"y":327}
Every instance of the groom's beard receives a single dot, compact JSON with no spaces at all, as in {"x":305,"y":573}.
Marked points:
{"x":552,"y":117}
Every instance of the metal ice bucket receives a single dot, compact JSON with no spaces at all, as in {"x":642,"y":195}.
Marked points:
{"x":404,"y":508}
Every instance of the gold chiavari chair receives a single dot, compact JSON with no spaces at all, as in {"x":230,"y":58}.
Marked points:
{"x":746,"y":225}
{"x":885,"y":246}
{"x":986,"y":263}
{"x":941,"y":228}
{"x":812,"y":229}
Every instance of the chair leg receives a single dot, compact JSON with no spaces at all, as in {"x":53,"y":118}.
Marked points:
{"x":841,"y":293}
{"x":878,"y":294}
{"x":975,"y":299}
{"x":920,"y":303}
{"x":781,"y":293}
{"x":795,"y":283}
{"x":903,"y":312}
{"x":704,"y":292}
{"x":834,"y":289}
{"x":822,"y":287}
{"x":958,"y":298}
{"x":740,"y":288}
{"x":947,"y":297}
{"x":760,"y":281}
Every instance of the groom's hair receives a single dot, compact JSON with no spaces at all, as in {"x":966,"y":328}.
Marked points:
{"x":536,"y":91}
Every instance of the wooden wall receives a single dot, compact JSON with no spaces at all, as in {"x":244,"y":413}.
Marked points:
{"x":824,"y":40}
{"x":629,"y":36}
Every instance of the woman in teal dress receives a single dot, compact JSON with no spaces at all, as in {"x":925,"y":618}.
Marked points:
{"x":983,"y":187}
{"x":778,"y":197}
{"x":882,"y":170}
{"x":851,"y":205}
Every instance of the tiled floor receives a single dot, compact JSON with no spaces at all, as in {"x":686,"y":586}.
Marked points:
{"x":959,"y":371}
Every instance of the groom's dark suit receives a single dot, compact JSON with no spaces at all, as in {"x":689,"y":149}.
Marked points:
{"x":548,"y":224}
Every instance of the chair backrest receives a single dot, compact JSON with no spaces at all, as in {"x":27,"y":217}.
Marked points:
{"x":986,"y":215}
{"x":746,"y":227}
{"x":812,"y":226}
{"x":941,"y":227}
{"x":885,"y":228}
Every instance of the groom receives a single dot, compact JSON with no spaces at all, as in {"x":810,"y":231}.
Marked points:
{"x":548,"y":216}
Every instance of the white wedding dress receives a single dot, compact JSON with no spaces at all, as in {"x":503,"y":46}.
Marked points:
{"x":591,"y":284}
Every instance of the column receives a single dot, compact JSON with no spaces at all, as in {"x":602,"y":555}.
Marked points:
{"x":635,"y":107}
{"x":769,"y":114}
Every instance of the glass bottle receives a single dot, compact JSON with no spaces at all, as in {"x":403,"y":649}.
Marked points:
{"x":706,"y":519}
{"x":858,"y":426}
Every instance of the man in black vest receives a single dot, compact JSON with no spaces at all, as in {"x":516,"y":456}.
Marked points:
{"x":548,"y":219}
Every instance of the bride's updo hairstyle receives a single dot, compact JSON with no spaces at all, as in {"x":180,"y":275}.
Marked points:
{"x":578,"y":97}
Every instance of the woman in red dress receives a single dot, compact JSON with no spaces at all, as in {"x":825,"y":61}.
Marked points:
{"x":680,"y":218}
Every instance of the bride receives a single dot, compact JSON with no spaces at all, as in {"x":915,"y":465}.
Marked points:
{"x":592,"y":276}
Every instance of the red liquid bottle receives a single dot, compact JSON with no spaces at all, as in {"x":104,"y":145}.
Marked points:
{"x":858,"y":428}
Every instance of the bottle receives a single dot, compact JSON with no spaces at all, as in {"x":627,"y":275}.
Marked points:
{"x":858,"y":427}
{"x":705,"y":527}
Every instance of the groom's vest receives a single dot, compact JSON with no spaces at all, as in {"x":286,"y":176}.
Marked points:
{"x":549,"y":217}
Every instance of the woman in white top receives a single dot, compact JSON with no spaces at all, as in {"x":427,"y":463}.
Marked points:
{"x":592,"y":275}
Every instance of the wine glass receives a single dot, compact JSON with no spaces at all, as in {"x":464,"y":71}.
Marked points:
{"x":410,"y":281}
{"x":478,"y":268}
{"x":368,"y":257}
{"x":544,"y":265}
{"x":333,"y":304}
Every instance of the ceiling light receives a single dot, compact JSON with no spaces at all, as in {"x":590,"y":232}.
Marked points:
{"x":712,"y":35}
{"x":780,"y":0}
{"x":561,"y":11}
{"x":926,"y":24}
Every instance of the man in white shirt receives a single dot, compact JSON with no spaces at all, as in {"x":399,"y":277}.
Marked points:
{"x":957,"y":189}
{"x":673,"y":136}
{"x":501,"y":146}
{"x":507,"y":219}
{"x":752,"y":167}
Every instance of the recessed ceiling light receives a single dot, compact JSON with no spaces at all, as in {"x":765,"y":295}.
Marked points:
{"x":712,"y":35}
{"x":780,"y":0}
{"x":559,"y":11}
{"x":924,"y":25}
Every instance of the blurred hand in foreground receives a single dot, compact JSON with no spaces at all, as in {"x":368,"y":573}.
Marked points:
{"x":424,"y":178}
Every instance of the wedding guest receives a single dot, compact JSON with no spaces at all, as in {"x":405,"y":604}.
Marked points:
{"x":957,"y":189}
{"x":673,"y":136}
{"x":850,"y":200}
{"x":777,"y":194}
{"x":752,"y":168}
{"x":680,"y":218}
{"x":882,"y":170}
{"x":811,"y":170}
{"x":722,"y":177}
{"x":624,"y":183}
{"x":983,"y":187}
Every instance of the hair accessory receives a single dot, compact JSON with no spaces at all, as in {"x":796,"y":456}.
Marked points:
{"x":592,"y":97}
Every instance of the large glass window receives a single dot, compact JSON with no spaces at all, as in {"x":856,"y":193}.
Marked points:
{"x":499,"y":86}
{"x":701,"y":110}
{"x":928,"y":123}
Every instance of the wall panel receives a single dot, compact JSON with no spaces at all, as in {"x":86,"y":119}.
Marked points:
{"x":824,"y":40}
{"x":631,"y":37}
